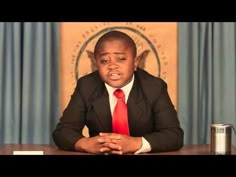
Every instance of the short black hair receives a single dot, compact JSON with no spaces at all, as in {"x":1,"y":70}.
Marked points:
{"x":116,"y":35}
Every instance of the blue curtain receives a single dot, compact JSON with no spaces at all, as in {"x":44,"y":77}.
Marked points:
{"x":207,"y":78}
{"x":29,"y":88}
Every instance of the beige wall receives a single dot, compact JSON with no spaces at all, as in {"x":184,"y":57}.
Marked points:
{"x":157,"y":40}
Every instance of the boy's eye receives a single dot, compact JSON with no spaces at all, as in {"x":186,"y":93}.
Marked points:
{"x":121,"y":59}
{"x":103,"y":61}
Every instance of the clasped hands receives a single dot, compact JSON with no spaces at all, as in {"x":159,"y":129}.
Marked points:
{"x":117,"y":144}
{"x":110,"y":143}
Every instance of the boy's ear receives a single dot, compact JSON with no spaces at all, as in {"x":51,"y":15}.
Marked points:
{"x":135,"y":64}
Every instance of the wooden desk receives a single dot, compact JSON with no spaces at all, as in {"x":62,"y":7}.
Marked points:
{"x":52,"y":150}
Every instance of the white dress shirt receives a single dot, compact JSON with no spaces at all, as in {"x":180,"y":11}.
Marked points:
{"x":146,"y":147}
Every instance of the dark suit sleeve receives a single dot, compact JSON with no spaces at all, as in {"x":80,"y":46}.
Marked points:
{"x":72,"y":122}
{"x":167,"y":134}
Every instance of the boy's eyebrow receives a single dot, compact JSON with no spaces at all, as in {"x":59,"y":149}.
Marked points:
{"x":106,"y":53}
{"x":102,"y":54}
{"x":119,"y":52}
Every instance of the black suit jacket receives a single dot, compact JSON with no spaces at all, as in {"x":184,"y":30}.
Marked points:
{"x":151,"y":113}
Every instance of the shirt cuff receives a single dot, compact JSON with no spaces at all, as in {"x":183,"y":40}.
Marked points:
{"x":146,"y":147}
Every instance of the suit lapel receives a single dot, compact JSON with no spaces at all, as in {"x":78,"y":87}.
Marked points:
{"x":102,"y":108}
{"x":136,"y":105}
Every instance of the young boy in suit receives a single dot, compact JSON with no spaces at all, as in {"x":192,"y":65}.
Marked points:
{"x":141,"y":119}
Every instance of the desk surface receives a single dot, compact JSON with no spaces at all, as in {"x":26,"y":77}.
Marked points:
{"x":52,"y":150}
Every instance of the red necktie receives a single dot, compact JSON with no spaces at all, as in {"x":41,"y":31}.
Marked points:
{"x":120,"y":115}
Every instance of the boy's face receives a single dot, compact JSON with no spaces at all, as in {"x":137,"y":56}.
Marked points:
{"x":115,"y":63}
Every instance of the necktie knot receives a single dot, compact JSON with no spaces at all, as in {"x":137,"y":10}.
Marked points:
{"x":119,"y":93}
